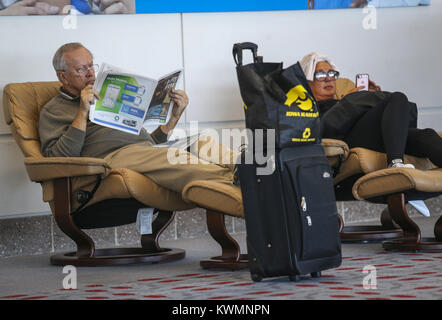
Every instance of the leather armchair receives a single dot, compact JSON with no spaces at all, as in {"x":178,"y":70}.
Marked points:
{"x":363,"y":169}
{"x":85,"y":193}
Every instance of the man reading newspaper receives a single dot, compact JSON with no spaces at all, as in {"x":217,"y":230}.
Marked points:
{"x":65,"y":131}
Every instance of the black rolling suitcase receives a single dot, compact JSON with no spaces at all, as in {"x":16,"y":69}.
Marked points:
{"x":291,"y":216}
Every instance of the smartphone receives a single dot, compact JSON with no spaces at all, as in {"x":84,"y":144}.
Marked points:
{"x":362,"y":80}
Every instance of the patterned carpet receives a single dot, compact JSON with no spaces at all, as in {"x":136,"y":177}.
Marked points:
{"x":399,"y":276}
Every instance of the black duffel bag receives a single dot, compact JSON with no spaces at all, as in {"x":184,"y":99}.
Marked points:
{"x":277,"y":98}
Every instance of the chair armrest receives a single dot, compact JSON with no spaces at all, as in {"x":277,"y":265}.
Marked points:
{"x":334,"y":148}
{"x":42,"y":169}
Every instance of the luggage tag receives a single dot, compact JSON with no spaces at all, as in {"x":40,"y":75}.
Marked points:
{"x":144,"y":220}
{"x":421,"y":207}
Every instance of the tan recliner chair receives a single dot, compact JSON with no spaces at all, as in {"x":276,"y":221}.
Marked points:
{"x":360,"y":170}
{"x":85,"y":193}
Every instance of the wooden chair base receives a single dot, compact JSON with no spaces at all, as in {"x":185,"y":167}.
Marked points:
{"x":117,"y":256}
{"x":86,"y":254}
{"x":226,"y":264}
{"x":231,"y":257}
{"x":371,"y":233}
{"x":412,"y":240}
{"x":402,"y":245}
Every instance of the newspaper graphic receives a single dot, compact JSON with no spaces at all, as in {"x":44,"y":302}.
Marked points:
{"x":128,"y":101}
{"x":111,"y":96}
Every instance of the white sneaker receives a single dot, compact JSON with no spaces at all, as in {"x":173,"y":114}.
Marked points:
{"x":398,"y":163}
{"x":403,"y":165}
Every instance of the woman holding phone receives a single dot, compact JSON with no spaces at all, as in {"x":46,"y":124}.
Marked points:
{"x":374,"y":119}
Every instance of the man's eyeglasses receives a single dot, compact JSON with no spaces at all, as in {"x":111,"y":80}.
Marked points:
{"x":84,"y":70}
{"x":322,"y":75}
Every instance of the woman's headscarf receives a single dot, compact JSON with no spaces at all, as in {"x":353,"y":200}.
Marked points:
{"x":308,"y":64}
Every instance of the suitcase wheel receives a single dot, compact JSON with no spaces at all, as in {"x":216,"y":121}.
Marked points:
{"x":316,"y":274}
{"x":256,"y":277}
{"x":295,"y":278}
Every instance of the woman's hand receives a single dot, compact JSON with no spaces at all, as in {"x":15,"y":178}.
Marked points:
{"x":372,"y":86}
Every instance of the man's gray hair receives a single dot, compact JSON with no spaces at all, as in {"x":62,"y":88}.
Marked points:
{"x":59,"y":62}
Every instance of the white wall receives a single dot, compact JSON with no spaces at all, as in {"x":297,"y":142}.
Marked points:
{"x":403,"y":53}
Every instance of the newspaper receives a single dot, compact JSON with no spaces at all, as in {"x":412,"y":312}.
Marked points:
{"x":129,"y":101}
{"x":181,"y":143}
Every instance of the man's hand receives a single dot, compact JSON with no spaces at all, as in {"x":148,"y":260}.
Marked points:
{"x":87,"y":97}
{"x":29,"y":7}
{"x":115,"y":6}
{"x":180,"y":99}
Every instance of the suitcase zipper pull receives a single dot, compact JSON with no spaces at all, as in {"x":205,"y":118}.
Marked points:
{"x":304,"y":209}
{"x":303,"y":204}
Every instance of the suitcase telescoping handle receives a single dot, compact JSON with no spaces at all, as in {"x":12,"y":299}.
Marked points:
{"x":238,"y":48}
